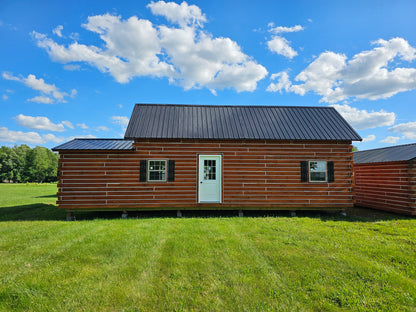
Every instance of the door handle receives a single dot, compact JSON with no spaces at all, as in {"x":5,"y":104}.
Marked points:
{"x":200,"y":182}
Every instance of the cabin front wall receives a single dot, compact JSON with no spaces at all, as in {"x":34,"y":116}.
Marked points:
{"x":255,"y":175}
{"x":386,"y":186}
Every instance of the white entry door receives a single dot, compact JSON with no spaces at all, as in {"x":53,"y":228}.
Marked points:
{"x":209,"y":190}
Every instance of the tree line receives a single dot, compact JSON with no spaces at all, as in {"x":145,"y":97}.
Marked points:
{"x":25,"y":164}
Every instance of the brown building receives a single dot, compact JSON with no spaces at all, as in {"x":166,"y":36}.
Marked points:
{"x":385,"y":178}
{"x":213,"y":157}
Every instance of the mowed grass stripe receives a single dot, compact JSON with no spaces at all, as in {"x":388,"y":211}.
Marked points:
{"x":94,"y":259}
{"x":182,"y":262}
{"x":318,"y":262}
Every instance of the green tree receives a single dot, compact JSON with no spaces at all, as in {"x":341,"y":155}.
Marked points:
{"x":23,"y":164}
{"x":13,"y":163}
{"x":42,"y":165}
{"x":19,"y":157}
{"x":5,"y":163}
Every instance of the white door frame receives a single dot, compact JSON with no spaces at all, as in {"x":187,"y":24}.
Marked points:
{"x":215,"y":189}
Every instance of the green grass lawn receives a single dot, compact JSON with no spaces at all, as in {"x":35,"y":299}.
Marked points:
{"x":29,"y":201}
{"x":313,"y":262}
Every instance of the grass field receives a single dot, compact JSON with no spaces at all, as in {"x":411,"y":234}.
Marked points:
{"x":313,"y":262}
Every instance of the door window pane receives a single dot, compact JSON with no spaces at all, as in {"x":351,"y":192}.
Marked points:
{"x":210,"y":169}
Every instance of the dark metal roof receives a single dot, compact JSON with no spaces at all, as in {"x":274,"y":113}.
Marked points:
{"x":386,"y":154}
{"x":156,"y":121}
{"x":96,"y":144}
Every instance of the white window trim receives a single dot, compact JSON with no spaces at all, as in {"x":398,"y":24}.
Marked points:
{"x":326,"y":171}
{"x":148,"y":170}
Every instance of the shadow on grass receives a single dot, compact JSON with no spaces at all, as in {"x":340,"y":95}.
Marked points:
{"x":47,"y":196}
{"x":362,"y":213}
{"x":33,"y":212}
{"x":48,"y":212}
{"x":353,"y":214}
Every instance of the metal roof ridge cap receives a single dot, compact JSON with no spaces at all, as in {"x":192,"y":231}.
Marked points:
{"x":230,"y":105}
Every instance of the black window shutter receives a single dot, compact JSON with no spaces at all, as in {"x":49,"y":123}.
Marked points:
{"x":330,"y":169}
{"x":143,"y":170}
{"x":304,"y":171}
{"x":171,"y":171}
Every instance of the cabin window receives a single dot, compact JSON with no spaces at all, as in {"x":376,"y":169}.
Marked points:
{"x":156,"y":170}
{"x":317,"y":171}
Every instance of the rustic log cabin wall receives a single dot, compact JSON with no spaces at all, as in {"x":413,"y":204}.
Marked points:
{"x":389,"y":186}
{"x":255,"y":175}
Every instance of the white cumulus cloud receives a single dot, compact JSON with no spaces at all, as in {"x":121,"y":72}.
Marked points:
{"x":373,"y":74}
{"x":283,"y":82}
{"x":284,"y":29}
{"x":279,"y":44}
{"x":39,"y":123}
{"x":50,"y":93}
{"x":369,"y":138}
{"x":391,"y":140}
{"x":82,"y":136}
{"x":321,"y":75}
{"x":58,"y":30}
{"x":362,"y":119}
{"x":187,"y":55}
{"x":131,"y":48}
{"x":121,"y":120}
{"x":82,"y":126}
{"x":408,"y":130}
{"x":102,"y":128}
{"x":41,"y":99}
{"x":68,"y":124}
{"x":7,"y":135}
{"x":182,"y":14}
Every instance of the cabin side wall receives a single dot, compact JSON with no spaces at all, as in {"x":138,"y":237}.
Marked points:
{"x":386,"y":186}
{"x":256,"y":175}
{"x":412,"y":186}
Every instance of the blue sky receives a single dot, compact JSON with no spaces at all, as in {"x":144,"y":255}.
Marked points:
{"x":76,"y":68}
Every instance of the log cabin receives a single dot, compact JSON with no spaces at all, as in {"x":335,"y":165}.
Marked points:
{"x":385,"y":178}
{"x":199,"y":157}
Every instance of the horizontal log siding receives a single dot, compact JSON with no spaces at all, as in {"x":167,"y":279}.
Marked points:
{"x":386,"y":186}
{"x":256,"y":175}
